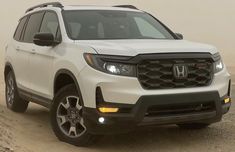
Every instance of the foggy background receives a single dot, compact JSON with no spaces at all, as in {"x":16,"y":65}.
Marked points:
{"x":207,"y":21}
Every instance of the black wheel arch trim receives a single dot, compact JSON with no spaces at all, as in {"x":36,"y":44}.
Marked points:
{"x":12,"y":69}
{"x":68,"y":72}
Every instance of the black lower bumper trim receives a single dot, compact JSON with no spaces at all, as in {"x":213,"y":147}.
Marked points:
{"x":123,"y":122}
{"x":178,"y":119}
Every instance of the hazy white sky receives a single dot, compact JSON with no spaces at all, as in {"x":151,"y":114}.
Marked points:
{"x":207,"y":21}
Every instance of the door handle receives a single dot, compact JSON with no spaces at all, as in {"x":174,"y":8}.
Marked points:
{"x":33,"y":51}
{"x":17,"y":48}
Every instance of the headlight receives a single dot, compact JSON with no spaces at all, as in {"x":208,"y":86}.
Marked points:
{"x":218,"y":66}
{"x":110,"y":64}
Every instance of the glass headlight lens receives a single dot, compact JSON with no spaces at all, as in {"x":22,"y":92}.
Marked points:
{"x":218,"y":66}
{"x":112,"y":68}
{"x":104,"y":64}
{"x":119,"y":69}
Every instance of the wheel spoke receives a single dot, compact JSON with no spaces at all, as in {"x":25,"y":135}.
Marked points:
{"x":13,"y":89}
{"x":11,"y":83}
{"x":63,"y":120}
{"x":9,"y":99}
{"x":73,"y":130}
{"x":82,"y":123}
{"x":78,"y":106}
{"x":66,"y":105}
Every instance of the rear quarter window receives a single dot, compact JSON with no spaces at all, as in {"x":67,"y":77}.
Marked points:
{"x":19,"y":29}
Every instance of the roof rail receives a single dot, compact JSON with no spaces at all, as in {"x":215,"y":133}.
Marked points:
{"x":54,"y":4}
{"x":126,"y":6}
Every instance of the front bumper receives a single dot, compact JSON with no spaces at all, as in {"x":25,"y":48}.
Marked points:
{"x":127,"y":93}
{"x":139,"y":116}
{"x":127,"y":90}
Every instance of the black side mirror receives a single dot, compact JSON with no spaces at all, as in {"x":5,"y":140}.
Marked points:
{"x":45,"y":39}
{"x":180,"y":36}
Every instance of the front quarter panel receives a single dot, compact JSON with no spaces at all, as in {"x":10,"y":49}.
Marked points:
{"x":69,"y":56}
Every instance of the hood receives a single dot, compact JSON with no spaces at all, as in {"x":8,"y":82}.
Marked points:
{"x":135,"y":47}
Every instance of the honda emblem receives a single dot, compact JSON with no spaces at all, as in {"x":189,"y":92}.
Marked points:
{"x":180,"y":71}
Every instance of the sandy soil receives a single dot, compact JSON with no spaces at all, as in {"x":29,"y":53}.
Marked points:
{"x":31,"y":132}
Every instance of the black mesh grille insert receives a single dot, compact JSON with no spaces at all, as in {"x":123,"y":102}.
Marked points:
{"x":158,"y":73}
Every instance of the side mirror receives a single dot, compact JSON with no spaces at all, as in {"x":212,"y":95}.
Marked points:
{"x":45,"y":39}
{"x":180,"y":36}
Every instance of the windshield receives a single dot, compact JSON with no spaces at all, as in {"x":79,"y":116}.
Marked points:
{"x":106,"y":24}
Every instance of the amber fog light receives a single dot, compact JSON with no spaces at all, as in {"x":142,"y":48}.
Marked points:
{"x":108,"y":110}
{"x":227,"y":100}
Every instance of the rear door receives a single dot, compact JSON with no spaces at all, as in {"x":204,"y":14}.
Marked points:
{"x":27,"y":48}
{"x":20,"y":59}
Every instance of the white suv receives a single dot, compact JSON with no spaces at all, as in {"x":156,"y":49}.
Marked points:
{"x":105,"y":70}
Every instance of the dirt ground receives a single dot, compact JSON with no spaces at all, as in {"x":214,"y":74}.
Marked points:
{"x":31,"y":132}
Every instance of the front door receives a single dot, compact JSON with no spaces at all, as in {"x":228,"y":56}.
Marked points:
{"x":41,"y":61}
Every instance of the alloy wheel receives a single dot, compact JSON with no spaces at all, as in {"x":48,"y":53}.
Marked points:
{"x":10,"y":89}
{"x":69,"y":117}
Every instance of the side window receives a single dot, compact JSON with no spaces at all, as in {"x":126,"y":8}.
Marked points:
{"x":74,"y":29}
{"x":20,"y":28}
{"x":33,"y":26}
{"x":147,"y":30}
{"x":50,"y":24}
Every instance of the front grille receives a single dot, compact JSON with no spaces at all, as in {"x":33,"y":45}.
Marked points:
{"x":177,"y":109}
{"x":158,"y":73}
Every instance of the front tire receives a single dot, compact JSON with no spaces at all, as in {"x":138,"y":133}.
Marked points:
{"x":66,"y":117}
{"x":13,"y":100}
